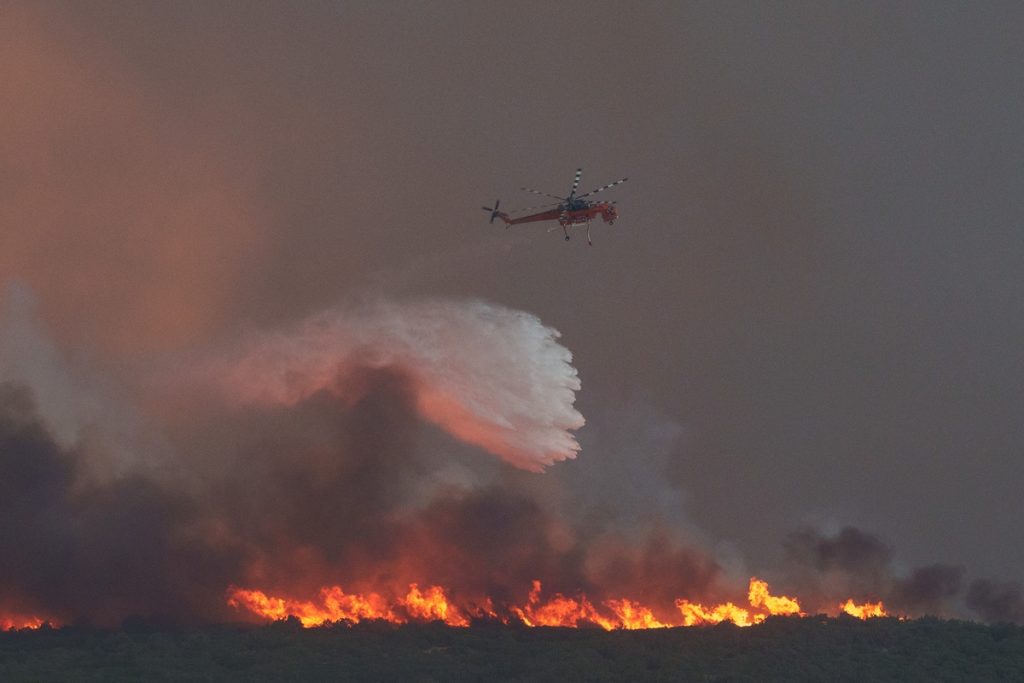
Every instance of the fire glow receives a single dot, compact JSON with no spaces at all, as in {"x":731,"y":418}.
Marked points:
{"x":19,"y":623}
{"x":865,"y":611}
{"x":434,"y":604}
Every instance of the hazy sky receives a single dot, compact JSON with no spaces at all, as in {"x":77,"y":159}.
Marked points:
{"x":810,"y":311}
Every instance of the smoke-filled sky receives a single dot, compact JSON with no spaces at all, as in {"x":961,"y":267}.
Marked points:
{"x":808,"y":316}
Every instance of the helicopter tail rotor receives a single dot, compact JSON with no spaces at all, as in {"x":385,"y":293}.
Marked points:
{"x":494,"y":210}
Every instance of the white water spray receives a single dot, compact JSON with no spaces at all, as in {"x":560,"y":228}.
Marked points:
{"x":489,"y":375}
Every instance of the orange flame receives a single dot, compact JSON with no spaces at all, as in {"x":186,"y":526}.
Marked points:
{"x":633,"y":616}
{"x":864,"y":611}
{"x":558,"y":611}
{"x":434,"y":604}
{"x":695,"y":614}
{"x":17,"y":623}
{"x":776,"y":605}
{"x":337,"y":606}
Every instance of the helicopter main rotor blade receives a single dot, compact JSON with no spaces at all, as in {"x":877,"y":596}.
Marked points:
{"x":542,"y":194}
{"x":575,"y":183}
{"x":603,"y":188}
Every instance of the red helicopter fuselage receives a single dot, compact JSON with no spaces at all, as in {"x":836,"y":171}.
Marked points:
{"x":567,"y":218}
{"x":570,"y":211}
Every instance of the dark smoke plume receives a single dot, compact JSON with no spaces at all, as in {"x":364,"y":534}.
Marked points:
{"x":82,"y":552}
{"x":851,"y":551}
{"x":347,"y":481}
{"x":324,"y":490}
{"x":853,"y":562}
{"x":996,"y":602}
{"x":927,"y":590}
{"x":333,"y":471}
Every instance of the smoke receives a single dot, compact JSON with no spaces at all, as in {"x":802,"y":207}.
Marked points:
{"x":320,"y":473}
{"x":491,"y":376}
{"x":927,"y":590}
{"x":28,"y":357}
{"x":368,"y":518}
{"x":338,"y":488}
{"x":81,"y":409}
{"x":170,"y":173}
{"x":126,"y":215}
{"x":76,"y":550}
{"x":322,"y":466}
{"x":854,"y":562}
{"x":848,"y":561}
{"x":997,"y":601}
{"x":333,"y":488}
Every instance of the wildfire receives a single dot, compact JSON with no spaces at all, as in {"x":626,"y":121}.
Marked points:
{"x":695,"y":614}
{"x":559,"y":611}
{"x":336,"y":605}
{"x":759,"y":596}
{"x":865,"y":611}
{"x":633,"y":616}
{"x":434,"y":604}
{"x":16,"y":623}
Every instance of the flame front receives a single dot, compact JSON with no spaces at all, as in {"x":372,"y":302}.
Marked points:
{"x":695,"y":614}
{"x":434,"y":604}
{"x":864,"y":611}
{"x":633,"y":616}
{"x":336,"y":606}
{"x":17,"y":623}
{"x":559,"y":611}
{"x":759,"y":596}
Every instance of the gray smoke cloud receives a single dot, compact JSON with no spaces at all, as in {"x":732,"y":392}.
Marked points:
{"x":29,"y":357}
{"x":79,"y":550}
{"x":319,"y":492}
{"x":320,"y":465}
{"x":997,"y":601}
{"x":81,"y":408}
{"x":819,"y":235}
{"x":852,"y":562}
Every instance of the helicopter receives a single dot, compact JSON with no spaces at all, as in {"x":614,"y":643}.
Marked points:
{"x":570,"y":212}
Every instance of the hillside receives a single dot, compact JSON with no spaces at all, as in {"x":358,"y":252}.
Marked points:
{"x":782,"y":649}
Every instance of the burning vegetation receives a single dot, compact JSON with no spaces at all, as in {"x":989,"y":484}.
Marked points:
{"x":12,"y":622}
{"x":557,"y":610}
{"x":330,"y":486}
